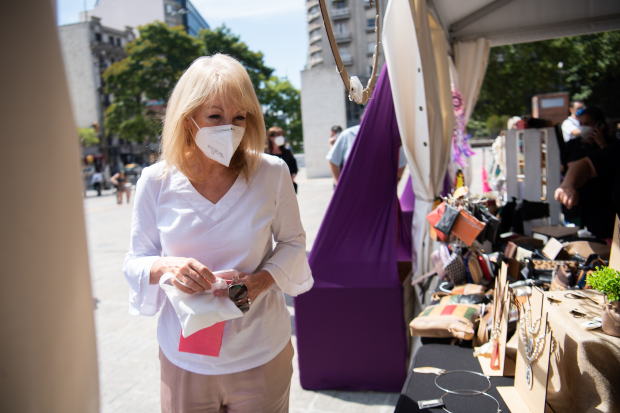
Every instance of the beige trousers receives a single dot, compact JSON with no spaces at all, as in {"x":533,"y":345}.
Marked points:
{"x":262,"y":389}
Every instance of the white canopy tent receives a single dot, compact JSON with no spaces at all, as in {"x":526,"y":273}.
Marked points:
{"x":421,"y":63}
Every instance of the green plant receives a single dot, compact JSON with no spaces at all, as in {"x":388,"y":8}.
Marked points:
{"x":607,"y":281}
{"x":88,"y":136}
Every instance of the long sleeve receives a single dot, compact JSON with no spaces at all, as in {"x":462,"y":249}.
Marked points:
{"x":288,"y":265}
{"x":144,"y":250}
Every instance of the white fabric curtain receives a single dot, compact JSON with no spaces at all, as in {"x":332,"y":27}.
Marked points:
{"x":416,"y":55}
{"x":471,"y":60}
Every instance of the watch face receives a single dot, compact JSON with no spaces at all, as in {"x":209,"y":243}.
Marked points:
{"x":529,"y":378}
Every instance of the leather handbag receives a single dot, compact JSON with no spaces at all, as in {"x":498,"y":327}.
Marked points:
{"x":455,"y":270}
{"x":563,"y":278}
{"x":468,"y":289}
{"x":467,"y":228}
{"x":453,"y":320}
{"x":474,"y":268}
{"x":447,"y":220}
{"x":433,"y":218}
{"x":445,"y":299}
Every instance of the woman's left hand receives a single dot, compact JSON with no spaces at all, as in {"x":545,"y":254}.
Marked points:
{"x":256,"y":283}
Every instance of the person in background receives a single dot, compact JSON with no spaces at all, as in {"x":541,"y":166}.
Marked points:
{"x":119,"y":180}
{"x":333,"y":135}
{"x":339,"y":153}
{"x":592,"y":172}
{"x":275,"y":146}
{"x":570,"y":126}
{"x":97,"y":181}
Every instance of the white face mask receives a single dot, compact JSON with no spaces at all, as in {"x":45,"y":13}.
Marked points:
{"x":585,"y":131}
{"x":279,"y":140}
{"x":219,"y":142}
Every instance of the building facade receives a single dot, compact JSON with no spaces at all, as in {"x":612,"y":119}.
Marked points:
{"x":88,"y":49}
{"x":120,"y":13}
{"x":353,"y":24}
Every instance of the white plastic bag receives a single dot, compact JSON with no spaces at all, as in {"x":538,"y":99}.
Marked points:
{"x":199,"y":310}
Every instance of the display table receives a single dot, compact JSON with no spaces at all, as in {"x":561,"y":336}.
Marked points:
{"x":422,"y":386}
{"x":584,"y":371}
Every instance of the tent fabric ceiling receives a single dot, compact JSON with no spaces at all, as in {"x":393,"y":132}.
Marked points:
{"x":520,"y":21}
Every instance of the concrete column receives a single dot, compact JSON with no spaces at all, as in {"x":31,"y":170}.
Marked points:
{"x":48,"y":358}
{"x":322,"y":106}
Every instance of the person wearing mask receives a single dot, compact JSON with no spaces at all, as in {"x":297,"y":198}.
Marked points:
{"x":275,"y":146}
{"x":333,"y":134}
{"x":213,"y":202}
{"x":589,"y":179}
{"x":339,"y":153}
{"x":119,"y":180}
{"x":570,"y":126}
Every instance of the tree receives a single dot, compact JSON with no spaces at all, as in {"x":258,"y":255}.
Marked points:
{"x":221,"y":40}
{"x":143,"y":81}
{"x":590,"y":70}
{"x":88,"y":136}
{"x":283,"y":108}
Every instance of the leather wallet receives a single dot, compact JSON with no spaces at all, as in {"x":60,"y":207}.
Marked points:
{"x":447,"y":220}
{"x":455,"y":270}
{"x":467,"y":228}
{"x":434,"y":217}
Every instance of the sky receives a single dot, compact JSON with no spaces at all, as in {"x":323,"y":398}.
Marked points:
{"x":278,"y":28}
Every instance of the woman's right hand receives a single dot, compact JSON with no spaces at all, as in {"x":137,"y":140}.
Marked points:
{"x":567,"y":196}
{"x":196,"y":277}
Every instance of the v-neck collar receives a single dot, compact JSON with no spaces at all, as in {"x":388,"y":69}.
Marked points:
{"x":182,"y":185}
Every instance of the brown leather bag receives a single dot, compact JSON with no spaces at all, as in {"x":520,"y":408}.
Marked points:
{"x":467,"y":228}
{"x":455,"y":320}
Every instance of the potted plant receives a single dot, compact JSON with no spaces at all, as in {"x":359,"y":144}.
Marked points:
{"x":607,"y":281}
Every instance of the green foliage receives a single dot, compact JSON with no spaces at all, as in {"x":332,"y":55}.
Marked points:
{"x":283,"y":109}
{"x":88,"y":136}
{"x":607,"y":281}
{"x":221,"y":40}
{"x":477,"y":129}
{"x":590,"y":71}
{"x":157,"y":59}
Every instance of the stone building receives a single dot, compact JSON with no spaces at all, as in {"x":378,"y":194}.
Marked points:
{"x":353,"y":24}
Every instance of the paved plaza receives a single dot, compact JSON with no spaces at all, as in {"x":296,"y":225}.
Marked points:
{"x":127,"y":345}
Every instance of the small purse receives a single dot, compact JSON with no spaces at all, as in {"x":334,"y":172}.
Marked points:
{"x":447,"y":220}
{"x":433,"y":218}
{"x":445,"y":299}
{"x":468,"y":289}
{"x":474,"y":268}
{"x":455,"y":270}
{"x":467,"y":228}
{"x":454,"y":320}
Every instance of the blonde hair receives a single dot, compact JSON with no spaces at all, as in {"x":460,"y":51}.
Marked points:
{"x":209,"y":77}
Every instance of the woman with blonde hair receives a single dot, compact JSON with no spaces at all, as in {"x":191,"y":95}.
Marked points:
{"x":214,"y":202}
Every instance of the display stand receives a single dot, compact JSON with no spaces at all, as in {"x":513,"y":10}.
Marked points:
{"x":506,"y":366}
{"x":531,"y":396}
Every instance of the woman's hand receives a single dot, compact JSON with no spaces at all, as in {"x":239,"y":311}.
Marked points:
{"x":568,"y":196}
{"x":256,"y":283}
{"x":196,"y":277}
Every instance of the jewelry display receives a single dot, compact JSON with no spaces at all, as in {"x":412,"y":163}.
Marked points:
{"x":472,"y":392}
{"x":499,"y":410}
{"x":499,"y":304}
{"x":533,"y":337}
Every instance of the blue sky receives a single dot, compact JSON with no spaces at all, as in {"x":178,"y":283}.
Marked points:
{"x":277,"y":28}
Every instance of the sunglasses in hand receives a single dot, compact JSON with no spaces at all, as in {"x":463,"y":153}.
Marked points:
{"x":238,"y":294}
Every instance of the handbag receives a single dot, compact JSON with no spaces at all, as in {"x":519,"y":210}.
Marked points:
{"x":468,"y":289}
{"x":455,"y":270}
{"x":445,"y":299}
{"x":467,"y":228}
{"x":474,"y":268}
{"x":563,"y":278}
{"x":433,"y":218}
{"x":447,"y":220}
{"x":453,"y":320}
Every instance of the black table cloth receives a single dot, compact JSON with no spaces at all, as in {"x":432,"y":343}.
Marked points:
{"x":422,"y":386}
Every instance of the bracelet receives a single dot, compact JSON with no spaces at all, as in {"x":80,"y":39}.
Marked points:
{"x":460,"y":392}
{"x":499,"y":410}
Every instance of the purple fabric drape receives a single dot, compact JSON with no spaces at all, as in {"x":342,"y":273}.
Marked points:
{"x":407,"y":204}
{"x":350,"y":327}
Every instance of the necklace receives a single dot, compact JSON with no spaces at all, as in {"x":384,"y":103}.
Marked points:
{"x":470,"y":392}
{"x":533,"y":347}
{"x":499,"y":410}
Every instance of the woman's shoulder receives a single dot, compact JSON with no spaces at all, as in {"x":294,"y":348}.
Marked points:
{"x":270,"y":163}
{"x":154,"y":172}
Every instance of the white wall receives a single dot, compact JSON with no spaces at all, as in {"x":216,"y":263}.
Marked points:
{"x":322,"y":106}
{"x":80,"y":70}
{"x":120,"y":13}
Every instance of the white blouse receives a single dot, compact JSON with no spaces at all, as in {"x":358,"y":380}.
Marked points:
{"x":170,"y":218}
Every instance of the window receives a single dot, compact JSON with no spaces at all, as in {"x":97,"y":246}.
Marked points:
{"x":118,"y":42}
{"x":341,"y":28}
{"x":370,"y":24}
{"x":315,"y":33}
{"x":111,"y":40}
{"x":340,"y":4}
{"x":98,"y":37}
{"x":313,"y":10}
{"x":371,"y":47}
